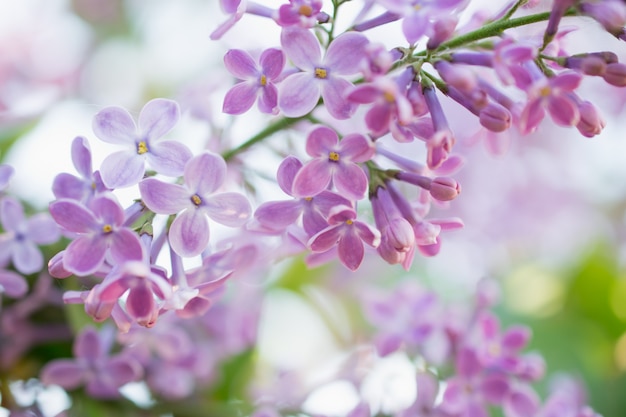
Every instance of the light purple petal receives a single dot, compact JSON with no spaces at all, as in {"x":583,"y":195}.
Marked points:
{"x":494,"y":388}
{"x":313,"y":178}
{"x":516,"y":337}
{"x":241,"y":65}
{"x":121,"y":370}
{"x":414,"y":27}
{"x":378,"y":119}
{"x":68,"y":186}
{"x":367,"y":234}
{"x":350,"y":180}
{"x":27,"y":257}
{"x":125,"y":246}
{"x":427,"y":389}
{"x":287,"y":172}
{"x":106,"y":208}
{"x":164,"y":198}
{"x":333,"y":91}
{"x":321,"y":141}
{"x":189,"y":233}
{"x":356,"y":148}
{"x":158,"y":117}
{"x":88,"y":345}
{"x":168,"y":158}
{"x":240,"y":98}
{"x":301,"y":47}
{"x":345,"y":53}
{"x":268,"y":99}
{"x":363,"y":94}
{"x":272,"y":62}
{"x":351,"y":250}
{"x":72,"y":216}
{"x":115,"y":125}
{"x":229,"y":209}
{"x":205,"y":173}
{"x":563,"y":110}
{"x":64,"y":372}
{"x":325,"y":239}
{"x":81,"y":156}
{"x":6,"y":172}
{"x":298,"y":94}
{"x":140,"y":303}
{"x":84,"y":255}
{"x":11,"y":214}
{"x":568,"y":81}
{"x":521,"y":402}
{"x":12,"y":284}
{"x":122,"y":169}
{"x":531,"y":116}
{"x":277,"y":215}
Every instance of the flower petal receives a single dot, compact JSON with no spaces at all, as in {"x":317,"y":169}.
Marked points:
{"x":84,"y":255}
{"x":241,"y":64}
{"x":205,"y":173}
{"x":189,"y":233}
{"x":325,"y":239}
{"x":333,"y":92}
{"x":350,"y":180}
{"x":312,"y":179}
{"x":298,"y":94}
{"x":272,"y":62}
{"x":287,"y":171}
{"x":164,"y":198}
{"x":345,"y":53}
{"x":125,"y":246}
{"x":27,"y":257}
{"x":356,"y":148}
{"x":302,"y":48}
{"x":351,"y":250}
{"x":81,"y":156}
{"x":122,"y":169}
{"x":229,"y":209}
{"x":158,"y":117}
{"x":12,"y":284}
{"x":277,"y":215}
{"x":240,"y":98}
{"x":72,"y":216}
{"x":115,"y":125}
{"x":321,"y":141}
{"x":63,"y":372}
{"x":168,"y":158}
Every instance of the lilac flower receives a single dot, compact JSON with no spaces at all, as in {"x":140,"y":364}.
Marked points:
{"x":278,"y":215}
{"x":258,"y":82}
{"x":300,"y":92}
{"x":236,"y":9}
{"x":196,"y":199}
{"x":334,"y":161}
{"x":90,"y":183}
{"x":347,"y":234}
{"x":101,"y":233}
{"x":126,"y":168}
{"x":102,"y":374}
{"x":302,"y":13}
{"x":12,"y":284}
{"x":19,"y":241}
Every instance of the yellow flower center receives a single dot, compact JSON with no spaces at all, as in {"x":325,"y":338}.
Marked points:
{"x":349,"y":222}
{"x":306,"y":10}
{"x":545,"y":91}
{"x":142,"y":147}
{"x":321,"y":73}
{"x":308,"y":198}
{"x":263,"y":80}
{"x":333,"y":156}
{"x":107,"y":228}
{"x":195,"y":199}
{"x":389,"y":98}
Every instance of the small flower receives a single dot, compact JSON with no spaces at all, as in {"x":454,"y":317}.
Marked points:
{"x":195,"y":200}
{"x":302,"y":13}
{"x":126,"y":168}
{"x":258,"y":81}
{"x":334,"y":161}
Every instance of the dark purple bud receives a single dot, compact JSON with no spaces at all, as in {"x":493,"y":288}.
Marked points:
{"x":615,"y":74}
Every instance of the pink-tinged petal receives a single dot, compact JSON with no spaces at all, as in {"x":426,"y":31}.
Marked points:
{"x":81,"y":156}
{"x":88,"y":345}
{"x":345,"y":53}
{"x":341,"y":214}
{"x":27,"y":257}
{"x":11,"y":213}
{"x":229,"y":209}
{"x":121,"y":370}
{"x":367,"y":234}
{"x":205,"y":173}
{"x":313,"y":178}
{"x":158,"y":117}
{"x":350,"y":250}
{"x":494,"y":388}
{"x":42,"y":230}
{"x":287,"y":172}
{"x":363,"y":94}
{"x":63,"y":372}
{"x":68,"y":186}
{"x":378,"y":119}
{"x":298,"y":94}
{"x":321,"y":141}
{"x":106,"y":208}
{"x":140,"y":304}
{"x":452,"y":223}
{"x":301,"y":47}
{"x":432,"y":249}
{"x":476,"y":408}
{"x":12,"y":284}
{"x":272,"y":62}
{"x":516,"y":337}
{"x":195,"y":307}
{"x":277,"y":215}
{"x":189,"y":233}
{"x":115,"y":125}
{"x":168,"y":158}
{"x":268,"y":99}
{"x":84,"y":255}
{"x":422,"y":128}
{"x":356,"y":148}
{"x":327,"y":200}
{"x":230,"y":6}
{"x":467,"y":363}
{"x":350,"y":180}
{"x":122,"y":169}
{"x":333,"y":90}
{"x":563,"y":110}
{"x":241,"y":64}
{"x":531,"y":116}
{"x":388,"y":343}
{"x":125,"y":246}
{"x":567,"y":81}
{"x":414,"y":27}
{"x":522,"y":401}
{"x":72,"y":216}
{"x":240,"y":98}
{"x":454,"y":397}
{"x":164,"y":198}
{"x":325,"y":239}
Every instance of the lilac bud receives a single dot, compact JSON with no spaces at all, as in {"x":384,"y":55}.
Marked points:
{"x":615,"y":74}
{"x":55,"y":266}
{"x":591,"y":122}
{"x":456,"y":75}
{"x":495,"y":117}
{"x":444,"y":189}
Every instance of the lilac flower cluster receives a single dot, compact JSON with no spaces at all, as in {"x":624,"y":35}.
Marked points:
{"x":359,"y":189}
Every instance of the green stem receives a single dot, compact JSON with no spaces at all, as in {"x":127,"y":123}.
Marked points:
{"x":513,"y":9}
{"x":272,"y":128}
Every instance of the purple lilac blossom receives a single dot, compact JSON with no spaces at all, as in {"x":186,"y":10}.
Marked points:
{"x":194,"y":201}
{"x":334,"y":162}
{"x":6,"y":172}
{"x":299,"y":93}
{"x":302,"y":13}
{"x":125,"y":168}
{"x":21,"y":236}
{"x":100,"y":231}
{"x":258,"y":81}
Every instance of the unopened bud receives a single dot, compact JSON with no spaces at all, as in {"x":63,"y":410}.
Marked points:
{"x":591,"y":122}
{"x":444,"y":189}
{"x":615,"y":74}
{"x":56,"y":268}
{"x":495,"y":117}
